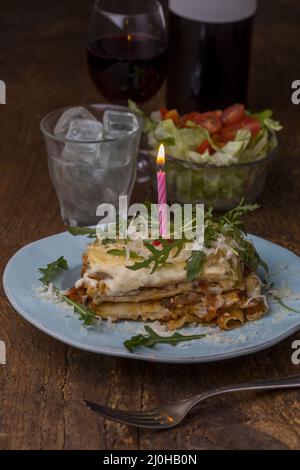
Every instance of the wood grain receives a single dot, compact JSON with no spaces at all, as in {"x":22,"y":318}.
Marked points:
{"x":42,"y":386}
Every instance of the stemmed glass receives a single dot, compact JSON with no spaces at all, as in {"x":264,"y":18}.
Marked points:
{"x":127,"y":49}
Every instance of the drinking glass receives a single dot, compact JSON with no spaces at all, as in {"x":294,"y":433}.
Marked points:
{"x":127,"y":49}
{"x":86,"y":173}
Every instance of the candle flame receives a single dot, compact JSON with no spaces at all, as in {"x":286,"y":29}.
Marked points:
{"x":129,"y":37}
{"x":160,"y":161}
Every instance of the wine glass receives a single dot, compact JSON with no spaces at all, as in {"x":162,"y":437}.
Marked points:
{"x":127,"y":49}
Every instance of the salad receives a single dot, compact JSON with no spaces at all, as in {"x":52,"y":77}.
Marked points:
{"x":219,"y":157}
{"x":220,"y":138}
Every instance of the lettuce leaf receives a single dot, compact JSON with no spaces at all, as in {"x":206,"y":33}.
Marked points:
{"x":149,"y":124}
{"x":134,"y":107}
{"x":178,"y":141}
{"x":226,"y":155}
{"x":272,"y":125}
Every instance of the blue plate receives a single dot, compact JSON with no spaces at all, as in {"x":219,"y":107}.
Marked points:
{"x":21,"y":281}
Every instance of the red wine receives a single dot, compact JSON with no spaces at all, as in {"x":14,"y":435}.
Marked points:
{"x":127,"y":66}
{"x":210,"y":54}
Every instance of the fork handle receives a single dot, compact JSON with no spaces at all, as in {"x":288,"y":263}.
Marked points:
{"x":271,"y":384}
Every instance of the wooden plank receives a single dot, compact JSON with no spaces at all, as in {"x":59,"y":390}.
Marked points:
{"x":44,"y":381}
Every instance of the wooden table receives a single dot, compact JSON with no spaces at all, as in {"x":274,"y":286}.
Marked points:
{"x":42,"y":61}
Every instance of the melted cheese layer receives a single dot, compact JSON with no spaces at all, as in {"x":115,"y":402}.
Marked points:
{"x":108,"y":274}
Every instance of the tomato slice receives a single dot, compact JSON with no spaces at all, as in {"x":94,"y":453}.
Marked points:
{"x":253,"y":124}
{"x":233,"y":114}
{"x":163,"y":112}
{"x":174,"y":115}
{"x":189,"y":117}
{"x":229,"y":133}
{"x":209,"y":121}
{"x":205,"y":146}
{"x":218,"y":112}
{"x":216,"y":138}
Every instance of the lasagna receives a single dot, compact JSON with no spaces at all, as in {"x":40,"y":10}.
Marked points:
{"x":118,"y":281}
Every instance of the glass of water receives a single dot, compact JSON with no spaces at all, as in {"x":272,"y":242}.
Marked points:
{"x":92,"y":157}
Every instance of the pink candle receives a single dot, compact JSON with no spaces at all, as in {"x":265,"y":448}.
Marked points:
{"x":162,"y":192}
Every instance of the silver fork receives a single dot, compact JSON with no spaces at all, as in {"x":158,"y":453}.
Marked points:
{"x":168,"y":416}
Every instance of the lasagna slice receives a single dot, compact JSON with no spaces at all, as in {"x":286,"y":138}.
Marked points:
{"x":117,"y":284}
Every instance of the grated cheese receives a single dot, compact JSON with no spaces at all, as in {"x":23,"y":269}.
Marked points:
{"x":49,"y":294}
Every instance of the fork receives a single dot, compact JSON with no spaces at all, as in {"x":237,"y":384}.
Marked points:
{"x":168,"y":416}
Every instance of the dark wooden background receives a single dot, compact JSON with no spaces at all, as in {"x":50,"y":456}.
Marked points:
{"x":42,"y":61}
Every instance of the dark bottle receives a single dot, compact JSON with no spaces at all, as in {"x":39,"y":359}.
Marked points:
{"x":210,"y":45}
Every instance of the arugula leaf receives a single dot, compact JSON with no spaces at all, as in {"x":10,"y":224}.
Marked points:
{"x":116,"y":252}
{"x":250,"y":257}
{"x":152,"y":338}
{"x":195,"y":264}
{"x":279,"y":300}
{"x":52,"y":269}
{"x":87,"y":231}
{"x":86,"y":315}
{"x":159,"y":256}
{"x":231,"y":224}
{"x":232,"y":220}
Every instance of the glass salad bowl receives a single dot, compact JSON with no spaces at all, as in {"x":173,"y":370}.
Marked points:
{"x":221,"y":187}
{"x":215,"y":158}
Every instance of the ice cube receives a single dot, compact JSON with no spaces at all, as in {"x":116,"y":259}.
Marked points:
{"x":117,"y":152}
{"x":70,"y":115}
{"x":80,"y":131}
{"x":119,"y":123}
{"x":83,"y":130}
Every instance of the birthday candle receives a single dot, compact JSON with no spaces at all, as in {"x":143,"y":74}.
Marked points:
{"x":162,"y":191}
